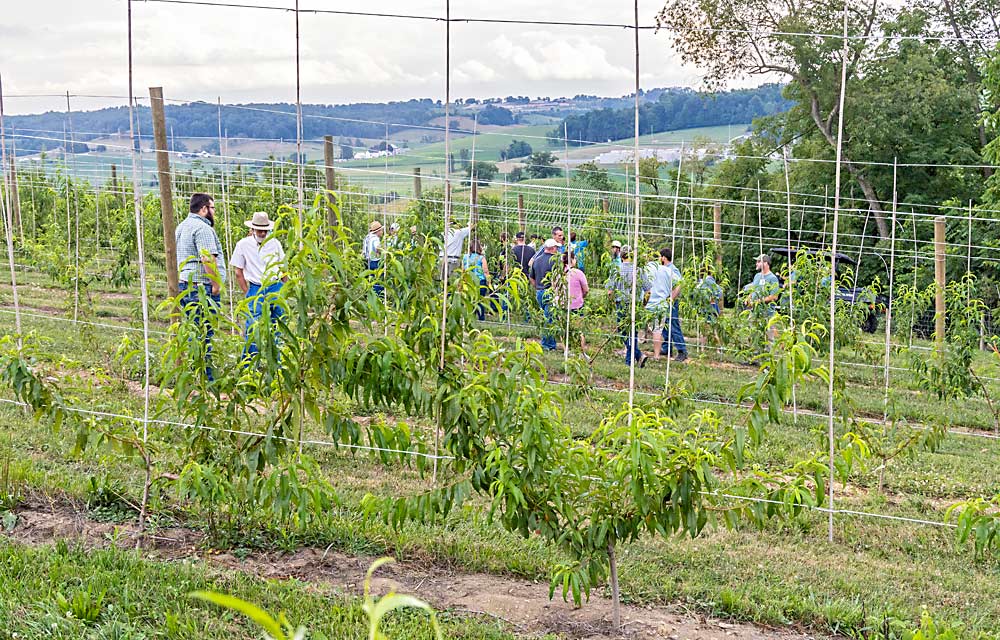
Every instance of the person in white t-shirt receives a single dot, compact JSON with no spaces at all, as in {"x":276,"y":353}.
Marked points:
{"x":257,"y":260}
{"x":454,"y":243}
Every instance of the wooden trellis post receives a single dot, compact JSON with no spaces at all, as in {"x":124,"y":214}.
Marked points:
{"x":166,"y":188}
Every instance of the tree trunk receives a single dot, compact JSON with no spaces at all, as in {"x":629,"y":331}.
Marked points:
{"x":616,"y":602}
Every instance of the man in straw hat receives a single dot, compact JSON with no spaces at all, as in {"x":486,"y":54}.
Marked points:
{"x":371,"y":250}
{"x":257,"y":261}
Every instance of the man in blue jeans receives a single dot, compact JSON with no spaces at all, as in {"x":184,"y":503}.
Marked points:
{"x":663,"y":302}
{"x":201,"y":268}
{"x":371,"y":251}
{"x":539,"y":274}
{"x":257,"y":262}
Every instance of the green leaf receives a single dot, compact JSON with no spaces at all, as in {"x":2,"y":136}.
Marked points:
{"x":252,"y":611}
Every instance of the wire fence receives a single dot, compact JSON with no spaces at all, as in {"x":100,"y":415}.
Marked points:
{"x":754,"y":221}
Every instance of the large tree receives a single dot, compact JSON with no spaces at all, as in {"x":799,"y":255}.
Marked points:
{"x":797,"y":39}
{"x":973,"y":28}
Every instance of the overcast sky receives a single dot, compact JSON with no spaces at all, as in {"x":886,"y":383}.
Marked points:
{"x":243,"y":55}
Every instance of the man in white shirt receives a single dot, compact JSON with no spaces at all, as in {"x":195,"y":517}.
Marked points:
{"x":371,"y":250}
{"x":663,"y":302}
{"x":454,"y":240}
{"x":257,"y":261}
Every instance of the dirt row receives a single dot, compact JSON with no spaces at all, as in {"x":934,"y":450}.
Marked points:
{"x":524,"y":606}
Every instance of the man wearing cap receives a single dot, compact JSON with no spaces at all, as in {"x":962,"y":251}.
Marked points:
{"x":371,"y":250}
{"x":620,"y":287}
{"x":201,"y":267}
{"x":257,"y":262}
{"x":765,"y":287}
{"x":616,"y":256}
{"x":539,"y":274}
{"x":393,"y":240}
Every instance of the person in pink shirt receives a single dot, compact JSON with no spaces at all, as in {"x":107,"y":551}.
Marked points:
{"x":578,"y":288}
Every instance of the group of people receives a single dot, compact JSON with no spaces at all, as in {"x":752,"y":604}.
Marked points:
{"x":657,"y":287}
{"x":201,"y":264}
{"x":554,"y":267}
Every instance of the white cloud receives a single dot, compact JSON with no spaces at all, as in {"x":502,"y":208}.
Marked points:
{"x":51,"y":46}
{"x":473,"y":71}
{"x":540,"y":56}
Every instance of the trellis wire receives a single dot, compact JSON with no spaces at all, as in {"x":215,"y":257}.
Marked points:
{"x":141,"y":253}
{"x":833,"y":269}
{"x":636,"y":209}
{"x":9,"y":221}
{"x":888,"y":310}
{"x":225,"y":204}
{"x":632,"y":337}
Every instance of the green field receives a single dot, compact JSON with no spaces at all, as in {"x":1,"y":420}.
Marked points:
{"x":786,"y":574}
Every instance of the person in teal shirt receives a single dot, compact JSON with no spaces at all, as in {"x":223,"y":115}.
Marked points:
{"x":578,"y":249}
{"x":765,"y":289}
{"x":475,"y":262}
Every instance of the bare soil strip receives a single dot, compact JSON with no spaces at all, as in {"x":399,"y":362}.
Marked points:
{"x":523,"y":605}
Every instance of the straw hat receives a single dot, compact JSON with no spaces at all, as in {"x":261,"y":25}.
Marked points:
{"x":260,"y":222}
{"x":374,"y":226}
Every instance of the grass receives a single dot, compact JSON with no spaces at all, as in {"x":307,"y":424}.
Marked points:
{"x":144,"y":598}
{"x":786,"y":574}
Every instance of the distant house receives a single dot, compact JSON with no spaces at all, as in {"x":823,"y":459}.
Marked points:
{"x":663,"y":154}
{"x":381,"y":150}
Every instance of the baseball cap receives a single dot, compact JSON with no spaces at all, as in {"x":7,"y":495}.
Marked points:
{"x":550,"y":244}
{"x":519,"y":235}
{"x":616,"y":244}
{"x":763,"y":258}
{"x":626,"y":250}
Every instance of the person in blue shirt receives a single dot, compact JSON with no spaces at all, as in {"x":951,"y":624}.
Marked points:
{"x":539,"y":274}
{"x":708,"y":294}
{"x":765,"y":289}
{"x":475,"y":262}
{"x":663,"y":303}
{"x":578,"y":249}
{"x":762,"y":294}
{"x":201,"y":268}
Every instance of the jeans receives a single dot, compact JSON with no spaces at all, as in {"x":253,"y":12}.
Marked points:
{"x":544,"y":298}
{"x":373,"y":267}
{"x":256,"y":295}
{"x":632,"y":351}
{"x":481,"y":307}
{"x":672,"y":336}
{"x":197,"y":303}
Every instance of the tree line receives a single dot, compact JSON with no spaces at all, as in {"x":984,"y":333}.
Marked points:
{"x":675,"y":109}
